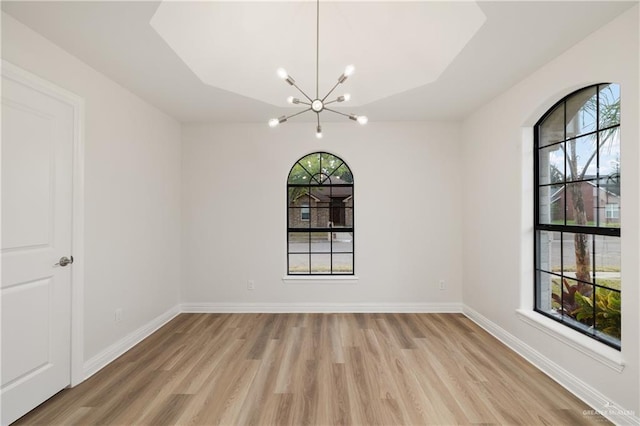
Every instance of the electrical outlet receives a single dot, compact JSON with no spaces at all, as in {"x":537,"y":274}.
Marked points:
{"x":251,"y":285}
{"x":118,"y":316}
{"x":443,"y":286}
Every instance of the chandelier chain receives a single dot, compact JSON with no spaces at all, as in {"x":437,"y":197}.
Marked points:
{"x":317,"y":49}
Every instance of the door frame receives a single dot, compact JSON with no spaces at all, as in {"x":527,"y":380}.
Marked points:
{"x":35,"y":82}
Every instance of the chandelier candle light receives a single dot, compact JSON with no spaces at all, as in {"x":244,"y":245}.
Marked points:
{"x":317,"y":104}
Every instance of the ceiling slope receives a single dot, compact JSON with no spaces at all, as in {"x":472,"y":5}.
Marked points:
{"x":504,"y":42}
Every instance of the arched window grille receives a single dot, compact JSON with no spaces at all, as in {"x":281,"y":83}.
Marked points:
{"x":320,"y":237}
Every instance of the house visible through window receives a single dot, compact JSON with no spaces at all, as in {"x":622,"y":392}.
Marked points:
{"x":577,"y":213}
{"x":320,"y":216}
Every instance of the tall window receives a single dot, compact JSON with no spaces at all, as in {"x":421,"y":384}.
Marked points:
{"x":320,"y":216}
{"x":577,"y":213}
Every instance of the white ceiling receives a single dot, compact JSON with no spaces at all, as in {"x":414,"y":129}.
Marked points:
{"x":240,"y":45}
{"x":414,"y":60}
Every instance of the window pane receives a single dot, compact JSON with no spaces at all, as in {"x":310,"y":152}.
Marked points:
{"x":320,"y":263}
{"x":330,"y":163}
{"x":609,"y":105}
{"x":298,"y":196}
{"x":321,"y":194}
{"x":341,"y":193}
{"x":581,"y":112}
{"x":577,"y":256}
{"x":311,"y":163}
{"x":609,"y":194}
{"x":343,"y":175}
{"x":552,"y":128}
{"x":609,"y":152}
{"x":298,"y":175}
{"x":295,"y":218}
{"x":342,"y":263}
{"x":607,"y":259}
{"x":348,"y":218}
{"x":320,"y":242}
{"x":320,"y":217}
{"x":551,"y":164}
{"x":609,"y":211}
{"x":608,"y":322}
{"x":577,"y":302}
{"x":582,"y":203}
{"x":342,"y":242}
{"x":581,"y":158}
{"x":299,"y":264}
{"x":338,"y":217}
{"x":298,"y":242}
{"x":551,"y":204}
{"x":548,"y":298}
{"x":548,"y":255}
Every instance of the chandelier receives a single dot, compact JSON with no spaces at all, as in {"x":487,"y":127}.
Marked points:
{"x":317,"y":104}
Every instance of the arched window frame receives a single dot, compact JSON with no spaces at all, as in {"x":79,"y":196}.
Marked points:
{"x":560,"y":228}
{"x":321,"y":184}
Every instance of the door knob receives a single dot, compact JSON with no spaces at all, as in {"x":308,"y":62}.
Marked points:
{"x":64,"y":261}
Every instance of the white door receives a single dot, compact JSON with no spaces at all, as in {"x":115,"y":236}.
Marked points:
{"x":37,"y":153}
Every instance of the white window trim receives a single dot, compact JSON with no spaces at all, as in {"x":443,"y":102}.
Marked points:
{"x":320,"y":279}
{"x":598,"y":351}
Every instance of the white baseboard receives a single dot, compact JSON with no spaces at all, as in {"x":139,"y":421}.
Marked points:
{"x":322,"y":307}
{"x":573,"y":384}
{"x":104,"y":358}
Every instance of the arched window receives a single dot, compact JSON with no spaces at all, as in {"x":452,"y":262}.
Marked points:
{"x":577,"y":213}
{"x":320,"y":216}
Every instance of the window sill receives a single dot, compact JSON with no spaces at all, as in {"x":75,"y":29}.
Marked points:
{"x":320,"y":279}
{"x":590,"y":347}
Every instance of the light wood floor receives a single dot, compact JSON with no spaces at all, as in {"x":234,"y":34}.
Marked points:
{"x":316,"y":369}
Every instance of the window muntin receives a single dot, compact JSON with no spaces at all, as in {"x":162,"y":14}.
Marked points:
{"x":577,"y":213}
{"x":320,"y":216}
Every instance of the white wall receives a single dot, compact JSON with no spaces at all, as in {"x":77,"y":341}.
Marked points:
{"x":407,"y":212}
{"x":132,"y":192}
{"x":497,"y":237}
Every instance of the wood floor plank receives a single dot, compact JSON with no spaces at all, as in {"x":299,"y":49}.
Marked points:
{"x":316,"y":369}
{"x":262,"y":385}
{"x":292,"y":344}
{"x":339,"y":406}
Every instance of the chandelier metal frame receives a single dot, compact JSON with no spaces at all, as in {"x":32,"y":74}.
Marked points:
{"x":317,"y":104}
